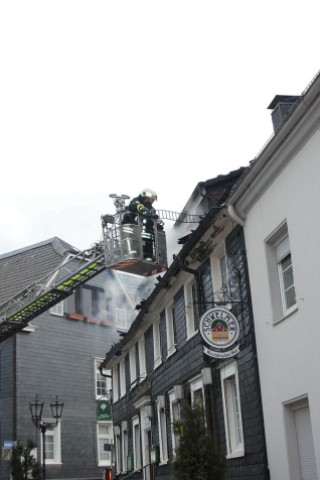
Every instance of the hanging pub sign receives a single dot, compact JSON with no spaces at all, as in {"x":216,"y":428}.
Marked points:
{"x":104,"y":410}
{"x":220,"y":330}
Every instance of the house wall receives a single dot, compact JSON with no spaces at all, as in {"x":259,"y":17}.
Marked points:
{"x":57,"y":359}
{"x":186,"y":363}
{"x":288,"y":348}
{"x":7,"y":395}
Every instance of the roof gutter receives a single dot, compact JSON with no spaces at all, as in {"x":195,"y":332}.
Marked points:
{"x":235,"y":216}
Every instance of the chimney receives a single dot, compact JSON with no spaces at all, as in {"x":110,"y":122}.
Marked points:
{"x":281,"y":106}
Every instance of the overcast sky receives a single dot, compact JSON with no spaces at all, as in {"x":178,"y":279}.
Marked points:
{"x":101,"y":97}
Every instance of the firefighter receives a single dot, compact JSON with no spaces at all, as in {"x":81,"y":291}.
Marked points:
{"x":141,"y":206}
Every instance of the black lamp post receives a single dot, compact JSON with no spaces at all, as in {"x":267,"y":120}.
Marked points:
{"x":36,"y":408}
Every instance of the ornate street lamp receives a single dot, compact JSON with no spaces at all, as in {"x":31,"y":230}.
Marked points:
{"x":36,"y":408}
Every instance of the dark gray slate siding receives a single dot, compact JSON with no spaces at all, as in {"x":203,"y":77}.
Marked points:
{"x":188,"y":360}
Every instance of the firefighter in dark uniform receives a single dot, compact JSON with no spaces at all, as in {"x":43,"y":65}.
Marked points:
{"x":142,"y":206}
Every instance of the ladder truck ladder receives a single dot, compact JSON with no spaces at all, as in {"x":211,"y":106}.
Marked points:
{"x":18,"y":311}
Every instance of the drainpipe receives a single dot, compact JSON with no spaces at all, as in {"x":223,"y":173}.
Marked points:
{"x":235,"y":215}
{"x":197,"y":277}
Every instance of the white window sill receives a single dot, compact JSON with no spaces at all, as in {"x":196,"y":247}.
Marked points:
{"x":286,"y":315}
{"x":171,"y":351}
{"x":164,"y":462}
{"x":236,"y":454}
{"x":191,"y":335}
{"x":157,"y":364}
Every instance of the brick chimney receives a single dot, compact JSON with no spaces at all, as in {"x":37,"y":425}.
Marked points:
{"x":281,"y":106}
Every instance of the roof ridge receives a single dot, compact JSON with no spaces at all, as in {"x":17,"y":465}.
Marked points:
{"x":52,"y":240}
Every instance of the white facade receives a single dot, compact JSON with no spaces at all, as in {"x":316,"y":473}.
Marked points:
{"x":278,"y":199}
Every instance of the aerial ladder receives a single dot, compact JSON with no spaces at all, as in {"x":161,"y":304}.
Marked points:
{"x":121,"y":249}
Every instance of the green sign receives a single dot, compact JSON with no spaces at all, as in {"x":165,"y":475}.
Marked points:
{"x":104,"y":410}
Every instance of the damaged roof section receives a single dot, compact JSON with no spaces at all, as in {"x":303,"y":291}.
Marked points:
{"x":212,"y":193}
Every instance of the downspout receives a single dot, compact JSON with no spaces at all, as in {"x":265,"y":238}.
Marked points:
{"x":197,"y":277}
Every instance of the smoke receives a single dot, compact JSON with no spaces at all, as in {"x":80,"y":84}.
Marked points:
{"x":123,"y":292}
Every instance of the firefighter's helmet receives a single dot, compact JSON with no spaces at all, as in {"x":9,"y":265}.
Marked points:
{"x":148,"y":193}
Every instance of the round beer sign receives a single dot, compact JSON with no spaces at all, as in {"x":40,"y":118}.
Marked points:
{"x":219,"y":328}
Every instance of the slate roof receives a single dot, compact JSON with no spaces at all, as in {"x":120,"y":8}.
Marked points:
{"x":20,"y":268}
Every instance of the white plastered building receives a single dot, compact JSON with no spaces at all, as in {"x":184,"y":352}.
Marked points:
{"x":278,"y":203}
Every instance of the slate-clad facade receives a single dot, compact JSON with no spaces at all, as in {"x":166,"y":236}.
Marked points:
{"x":59,"y":354}
{"x":209,"y":272}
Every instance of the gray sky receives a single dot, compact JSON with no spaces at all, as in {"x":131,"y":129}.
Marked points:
{"x":101,"y":97}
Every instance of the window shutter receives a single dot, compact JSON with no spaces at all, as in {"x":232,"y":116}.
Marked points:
{"x":282,"y":249}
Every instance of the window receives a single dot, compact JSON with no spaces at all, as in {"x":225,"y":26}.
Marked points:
{"x":87,"y":300}
{"x":53,"y":445}
{"x":171,"y":340}
{"x":136,"y":443}
{"x":175,"y":395}
{"x":162,"y":424}
{"x":117,"y":437}
{"x":192,"y":308}
{"x":124,"y":445}
{"x":105,"y":441}
{"x":281,"y":275}
{"x":121,"y":318}
{"x":142,"y":359}
{"x":102,"y":383}
{"x":122,"y":378}
{"x":133,"y":366}
{"x":220,"y":274}
{"x":196,"y":389}
{"x":283,"y":257}
{"x":115,"y":383}
{"x":57,"y":309}
{"x":157,"y":344}
{"x":232,"y":410}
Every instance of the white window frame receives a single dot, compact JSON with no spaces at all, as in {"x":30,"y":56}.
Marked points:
{"x":162,"y":425}
{"x":171,"y":345}
{"x":136,"y":445}
{"x":107,"y":439}
{"x":276,"y":252}
{"x":55,"y":433}
{"x":121,"y":318}
{"x":142,"y":359}
{"x":117,"y":442}
{"x":196,"y":384}
{"x":190,"y":308}
{"x":283,"y":251}
{"x":124,"y":446}
{"x":232,"y":410}
{"x":175,"y":395}
{"x":133,"y":366}
{"x":100,"y":378}
{"x":122,"y":370}
{"x":220,"y":279}
{"x":156,"y":345}
{"x":58,"y":309}
{"x":115,"y":384}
